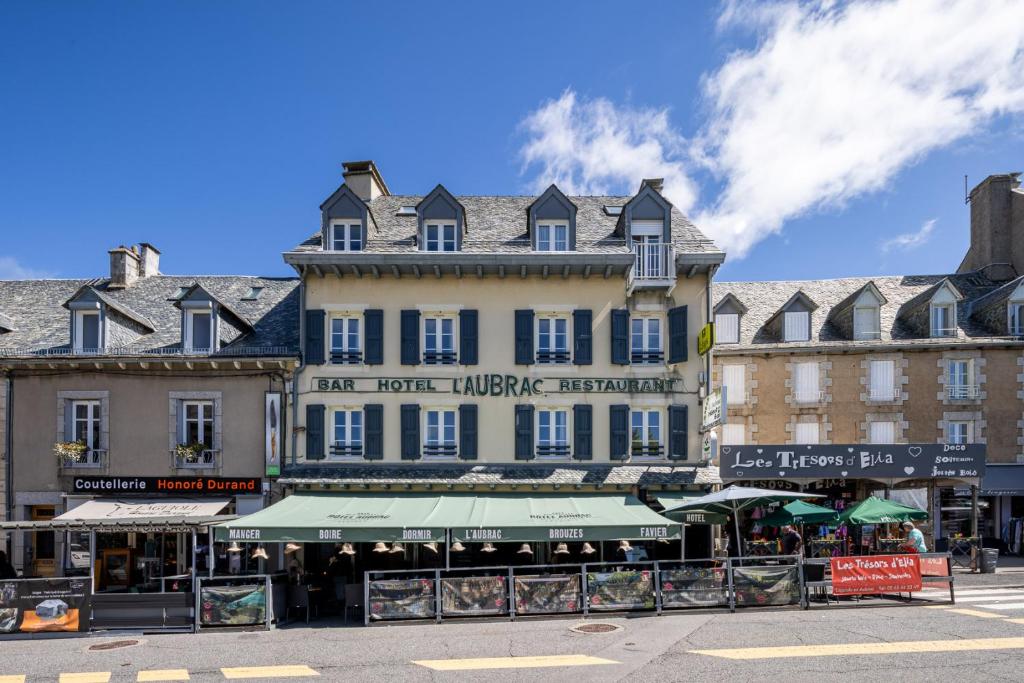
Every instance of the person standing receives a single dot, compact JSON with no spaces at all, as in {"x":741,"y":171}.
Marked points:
{"x":915,"y":539}
{"x":792,"y":542}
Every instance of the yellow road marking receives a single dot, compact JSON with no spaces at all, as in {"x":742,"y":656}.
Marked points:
{"x":292,"y":671}
{"x":1012,"y":621}
{"x":511,"y":662}
{"x":86,"y":677}
{"x":905,"y":647}
{"x":978,"y":613}
{"x":163,"y":675}
{"x":13,"y":679}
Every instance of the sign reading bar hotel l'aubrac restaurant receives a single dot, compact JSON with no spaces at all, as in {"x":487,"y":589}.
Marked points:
{"x":498,"y":385}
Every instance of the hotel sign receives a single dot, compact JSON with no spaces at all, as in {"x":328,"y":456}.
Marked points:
{"x":498,"y":385}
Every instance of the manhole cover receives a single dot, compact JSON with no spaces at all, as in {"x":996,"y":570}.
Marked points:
{"x":595,"y":628}
{"x":113,"y":645}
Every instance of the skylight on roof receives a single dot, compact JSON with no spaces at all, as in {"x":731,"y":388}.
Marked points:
{"x":253,"y":294}
{"x":613,"y":210}
{"x":407,"y":211}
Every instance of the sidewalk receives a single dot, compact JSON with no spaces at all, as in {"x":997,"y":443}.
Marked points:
{"x":1009,"y":572}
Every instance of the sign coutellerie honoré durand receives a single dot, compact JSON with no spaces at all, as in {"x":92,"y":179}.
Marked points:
{"x":495,"y":384}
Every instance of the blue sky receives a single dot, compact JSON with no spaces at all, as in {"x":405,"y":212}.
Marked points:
{"x":214,"y":130}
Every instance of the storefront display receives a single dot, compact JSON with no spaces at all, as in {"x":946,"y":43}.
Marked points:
{"x":694,"y":587}
{"x":44,"y":605}
{"x":547,"y":594}
{"x":761,"y":586}
{"x":629,"y":589}
{"x":233,"y":605}
{"x":402,"y":599}
{"x":474,"y":595}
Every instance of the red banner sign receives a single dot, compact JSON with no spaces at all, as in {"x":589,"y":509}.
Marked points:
{"x":874,"y":574}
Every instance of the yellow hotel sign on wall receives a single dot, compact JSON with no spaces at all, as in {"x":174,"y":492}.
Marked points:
{"x":706,"y":338}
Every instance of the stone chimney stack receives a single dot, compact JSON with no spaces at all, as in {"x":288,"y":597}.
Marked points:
{"x":363,"y":179}
{"x":150,"y":257}
{"x":657,"y":184}
{"x":997,"y":228}
{"x":124,"y":267}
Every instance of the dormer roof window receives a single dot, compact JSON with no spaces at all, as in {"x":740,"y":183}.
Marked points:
{"x":345,"y":234}
{"x":343,"y":221}
{"x":942,"y":310}
{"x":206,"y":323}
{"x":792,"y":322}
{"x":87,"y":330}
{"x":647,"y":215}
{"x":551,"y":222}
{"x":441,"y":221}
{"x":727,"y":319}
{"x":867,"y":308}
{"x":97,"y":317}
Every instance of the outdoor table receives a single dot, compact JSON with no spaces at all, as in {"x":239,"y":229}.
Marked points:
{"x":964,"y":551}
{"x":826,"y":547}
{"x":891,"y":545}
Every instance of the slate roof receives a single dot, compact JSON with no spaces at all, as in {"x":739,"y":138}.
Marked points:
{"x":501,"y":475}
{"x":497,"y":224}
{"x":35,"y":308}
{"x":902,"y":292}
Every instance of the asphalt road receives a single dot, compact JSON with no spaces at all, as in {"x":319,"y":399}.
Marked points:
{"x":692,"y":646}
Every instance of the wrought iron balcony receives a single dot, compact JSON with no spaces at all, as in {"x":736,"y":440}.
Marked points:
{"x":440,"y":450}
{"x":809,"y":397}
{"x":440,"y":358}
{"x":93,"y":458}
{"x":646,"y":357}
{"x":339,"y":357}
{"x":553,"y":357}
{"x":647,"y":450}
{"x":352,"y":449}
{"x":963,"y":392}
{"x":884,"y":393}
{"x":654,"y":265}
{"x":206,"y":459}
{"x":553,"y":451}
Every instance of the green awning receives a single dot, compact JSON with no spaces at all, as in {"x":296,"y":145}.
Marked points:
{"x":554,"y":517}
{"x":412,"y":517}
{"x":874,"y":510}
{"x":800,"y":512}
{"x":669,"y":499}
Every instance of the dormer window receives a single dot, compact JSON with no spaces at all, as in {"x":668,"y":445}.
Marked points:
{"x":346,"y":235}
{"x":727,"y":328}
{"x":88,"y":332}
{"x":943,"y":316}
{"x":797,"y":326}
{"x":439,"y":237}
{"x":1015,"y":319}
{"x":552,"y":237}
{"x":866,"y":324}
{"x":199,"y":331}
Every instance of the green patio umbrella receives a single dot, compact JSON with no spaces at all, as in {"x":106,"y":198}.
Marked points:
{"x":800,"y":512}
{"x":880,"y":511}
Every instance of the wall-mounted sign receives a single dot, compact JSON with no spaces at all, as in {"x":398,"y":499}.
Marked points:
{"x":272,"y":431}
{"x":175,"y":485}
{"x":498,"y":385}
{"x":713,"y":415}
{"x":705,"y":338}
{"x":856,"y":461}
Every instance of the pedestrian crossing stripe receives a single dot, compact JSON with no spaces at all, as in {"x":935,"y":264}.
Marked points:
{"x":875,"y":648}
{"x":163,"y":675}
{"x":293,"y":671}
{"x":86,"y":677}
{"x":12,"y":679}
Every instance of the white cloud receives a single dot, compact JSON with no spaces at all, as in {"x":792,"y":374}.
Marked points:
{"x":10,"y":269}
{"x":594,"y":147}
{"x":832,"y":103}
{"x":909,"y":240}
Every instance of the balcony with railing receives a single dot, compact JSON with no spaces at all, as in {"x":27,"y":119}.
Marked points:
{"x":963,"y":392}
{"x":188,"y":458}
{"x":351,"y":450}
{"x":646,"y":451}
{"x":552,"y":451}
{"x":90,"y":458}
{"x":553,"y":357}
{"x":440,"y":451}
{"x":345,"y":357}
{"x":440,"y":358}
{"x":809,"y":397}
{"x":884,"y":394}
{"x":654,"y":265}
{"x":646,"y":357}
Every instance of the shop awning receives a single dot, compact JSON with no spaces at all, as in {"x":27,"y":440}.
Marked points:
{"x":670,"y":499}
{"x":1002,"y":480}
{"x":371,"y":517}
{"x":554,"y":517}
{"x":153,"y":514}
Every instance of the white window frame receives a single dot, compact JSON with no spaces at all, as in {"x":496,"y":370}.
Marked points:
{"x":1015,"y":318}
{"x":954,"y":426}
{"x":800,"y":436}
{"x":645,"y":435}
{"x":874,"y":425}
{"x":545,"y":448}
{"x":345,"y":350}
{"x":348,"y":442}
{"x":441,"y":357}
{"x":803,"y":322}
{"x":876,"y":324}
{"x":190,"y":324}
{"x":885,"y":392}
{"x":93,"y":420}
{"x":566,"y":354}
{"x":956,"y":389}
{"x":735,"y":395}
{"x":949,"y":330}
{"x":79,"y":339}
{"x":552,"y":236}
{"x":441,"y":241}
{"x":351,"y":234}
{"x":733,"y":326}
{"x":203,"y":406}
{"x":734,"y":434}
{"x":807,"y":395}
{"x":648,"y":353}
{"x":451,"y":452}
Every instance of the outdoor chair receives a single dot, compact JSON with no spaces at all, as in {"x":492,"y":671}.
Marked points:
{"x":298,"y":598}
{"x":353,"y":598}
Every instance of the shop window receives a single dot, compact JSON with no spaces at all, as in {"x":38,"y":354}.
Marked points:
{"x":552,"y":433}
{"x":734,"y":380}
{"x":552,"y":339}
{"x":645,"y":340}
{"x":439,"y":432}
{"x":646,"y":437}
{"x":439,"y":340}
{"x":346,"y":340}
{"x":805,"y":433}
{"x":347,"y":433}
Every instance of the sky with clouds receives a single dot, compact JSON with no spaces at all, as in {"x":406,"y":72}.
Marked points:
{"x":815,"y":139}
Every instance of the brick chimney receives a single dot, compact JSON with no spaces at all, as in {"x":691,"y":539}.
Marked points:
{"x":124,"y":267}
{"x":363,"y":178}
{"x":150,"y":257}
{"x":997,"y":228}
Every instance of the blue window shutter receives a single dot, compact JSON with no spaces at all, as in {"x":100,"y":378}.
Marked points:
{"x":524,"y":337}
{"x":618,"y":444}
{"x":583,"y":431}
{"x":583,"y":345}
{"x":69,"y":420}
{"x":373,"y":339}
{"x":468,"y":431}
{"x":524,"y":432}
{"x":315,"y":431}
{"x":620,"y":337}
{"x":410,"y":432}
{"x":373,"y":426}
{"x":468,"y":338}
{"x":678,"y":430}
{"x":677,"y":342}
{"x":410,"y":337}
{"x":315,"y":336}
